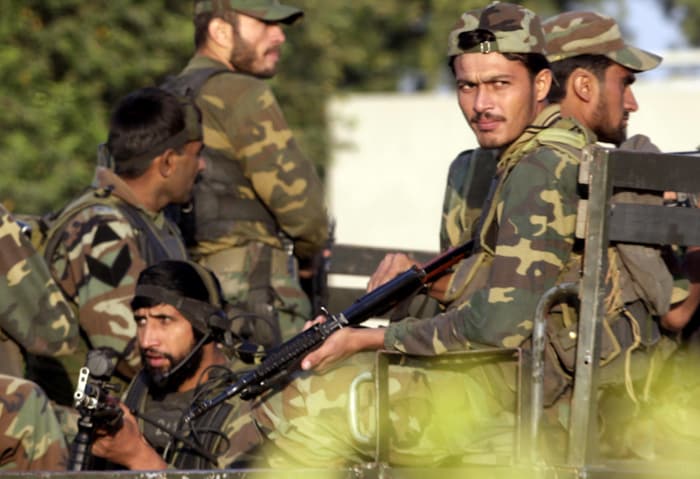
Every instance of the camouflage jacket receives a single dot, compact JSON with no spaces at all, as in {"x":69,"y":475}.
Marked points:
{"x":33,"y":311}
{"x":468,"y":183}
{"x":96,"y":264}
{"x":30,"y":437}
{"x":243,"y":122}
{"x":534,"y":222}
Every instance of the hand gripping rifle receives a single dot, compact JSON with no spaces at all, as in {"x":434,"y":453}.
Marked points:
{"x":95,"y":403}
{"x":281,"y":360}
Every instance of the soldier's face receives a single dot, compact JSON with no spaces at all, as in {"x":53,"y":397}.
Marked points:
{"x":497,"y":96}
{"x":615,"y":102}
{"x":256,"y":47}
{"x":165,"y":337}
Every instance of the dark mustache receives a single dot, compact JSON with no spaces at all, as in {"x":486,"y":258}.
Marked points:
{"x":485,"y":116}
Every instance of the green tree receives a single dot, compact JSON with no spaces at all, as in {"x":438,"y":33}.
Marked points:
{"x":64,"y":63}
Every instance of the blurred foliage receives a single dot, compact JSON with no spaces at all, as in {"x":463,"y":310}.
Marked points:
{"x":64,"y":63}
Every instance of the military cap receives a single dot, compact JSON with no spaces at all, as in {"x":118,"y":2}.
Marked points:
{"x":517,"y":30}
{"x":589,"y":33}
{"x":267,"y":10}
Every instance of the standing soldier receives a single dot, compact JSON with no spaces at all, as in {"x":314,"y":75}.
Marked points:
{"x":259,"y":210}
{"x":34,"y":315}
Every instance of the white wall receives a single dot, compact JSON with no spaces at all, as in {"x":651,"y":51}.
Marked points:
{"x":386,"y":184}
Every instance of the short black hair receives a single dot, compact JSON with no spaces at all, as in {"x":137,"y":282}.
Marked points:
{"x":181,"y":278}
{"x":141,"y":120}
{"x":534,"y":62}
{"x":562,"y":69}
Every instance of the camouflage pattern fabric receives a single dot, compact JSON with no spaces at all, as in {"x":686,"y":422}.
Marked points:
{"x":589,"y":33}
{"x":517,"y":30}
{"x":535,"y":220}
{"x":30,"y":437}
{"x":468,"y":182}
{"x":97,"y":264}
{"x":243,"y":122}
{"x":33,"y":312}
{"x":437,"y":418}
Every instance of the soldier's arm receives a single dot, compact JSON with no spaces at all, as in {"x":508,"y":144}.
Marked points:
{"x":33,"y":312}
{"x":534,"y":242}
{"x":30,"y":430}
{"x":282,"y":176}
{"x":102,"y":267}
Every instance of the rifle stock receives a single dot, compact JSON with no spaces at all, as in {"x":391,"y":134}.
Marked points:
{"x":283,"y":359}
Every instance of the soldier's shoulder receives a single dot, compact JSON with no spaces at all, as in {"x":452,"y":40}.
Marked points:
{"x":232,"y":84}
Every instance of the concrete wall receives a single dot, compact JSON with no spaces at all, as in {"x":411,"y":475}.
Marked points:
{"x":389,"y":168}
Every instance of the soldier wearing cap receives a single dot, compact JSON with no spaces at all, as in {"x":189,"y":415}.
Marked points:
{"x":525,"y":239}
{"x":181,"y":320}
{"x":595,"y":69}
{"x":259,"y":211}
{"x":113,"y":231}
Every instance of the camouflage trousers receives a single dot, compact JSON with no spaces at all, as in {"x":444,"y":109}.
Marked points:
{"x":435,"y":417}
{"x":30,"y":437}
{"x":285,"y":307}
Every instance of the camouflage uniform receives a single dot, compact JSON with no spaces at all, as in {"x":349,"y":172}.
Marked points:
{"x":96,"y":264}
{"x":30,"y":437}
{"x":33,"y":312}
{"x":245,"y":131}
{"x":468,"y":182}
{"x":640,"y":286}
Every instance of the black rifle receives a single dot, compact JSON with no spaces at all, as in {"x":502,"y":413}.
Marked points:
{"x":98,"y":408}
{"x":283,"y":359}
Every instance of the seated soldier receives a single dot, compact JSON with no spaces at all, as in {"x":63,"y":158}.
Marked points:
{"x":180,"y":320}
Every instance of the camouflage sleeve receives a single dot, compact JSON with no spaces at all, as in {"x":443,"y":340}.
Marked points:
{"x":98,"y":263}
{"x":33,"y":312}
{"x":537,"y":215}
{"x":30,"y":436}
{"x":283,"y":178}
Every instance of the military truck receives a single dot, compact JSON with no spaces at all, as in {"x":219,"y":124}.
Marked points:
{"x":600,"y":222}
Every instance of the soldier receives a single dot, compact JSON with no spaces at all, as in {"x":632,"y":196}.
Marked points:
{"x":30,"y":436}
{"x":595,"y":69}
{"x":33,"y":313}
{"x":526,"y":239}
{"x":260,"y":205}
{"x":179,"y":314}
{"x":112,"y":232}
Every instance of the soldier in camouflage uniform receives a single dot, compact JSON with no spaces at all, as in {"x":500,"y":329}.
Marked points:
{"x":112,"y":232}
{"x":526,"y":239}
{"x":260,"y":206}
{"x":33,"y":313}
{"x":595,"y":70}
{"x":179,"y":314}
{"x":30,"y":436}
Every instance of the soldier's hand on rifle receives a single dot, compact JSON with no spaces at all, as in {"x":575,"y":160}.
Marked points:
{"x":392,"y":265}
{"x":341,"y":345}
{"x":127,"y":446}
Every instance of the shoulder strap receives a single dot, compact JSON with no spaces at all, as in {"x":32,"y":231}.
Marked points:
{"x":189,"y":84}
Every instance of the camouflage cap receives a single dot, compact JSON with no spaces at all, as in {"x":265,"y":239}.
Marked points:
{"x":517,"y":30}
{"x":267,"y":10}
{"x":589,"y":33}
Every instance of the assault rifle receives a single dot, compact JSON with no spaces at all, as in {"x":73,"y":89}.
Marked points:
{"x":98,"y":408}
{"x":283,"y":359}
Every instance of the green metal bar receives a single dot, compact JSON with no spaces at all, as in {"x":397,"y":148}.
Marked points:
{"x":584,"y":408}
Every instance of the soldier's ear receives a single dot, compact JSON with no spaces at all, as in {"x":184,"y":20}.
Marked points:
{"x":221,"y":32}
{"x":165,"y":163}
{"x":543,"y":82}
{"x":582,"y":84}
